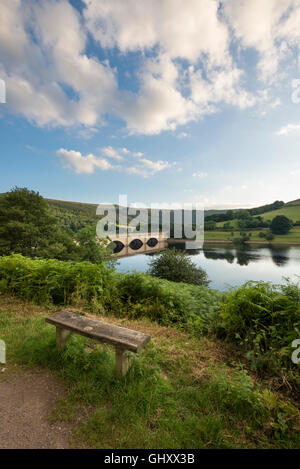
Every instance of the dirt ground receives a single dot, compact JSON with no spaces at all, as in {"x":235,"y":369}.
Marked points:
{"x":26,"y":402}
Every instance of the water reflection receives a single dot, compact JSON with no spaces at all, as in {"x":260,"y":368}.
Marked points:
{"x":229,"y":265}
{"x":242,"y":255}
{"x":280,"y":255}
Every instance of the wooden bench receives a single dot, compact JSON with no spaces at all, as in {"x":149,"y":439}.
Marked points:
{"x":124,"y":340}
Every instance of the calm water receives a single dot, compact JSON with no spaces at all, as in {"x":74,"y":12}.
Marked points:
{"x":226,"y":265}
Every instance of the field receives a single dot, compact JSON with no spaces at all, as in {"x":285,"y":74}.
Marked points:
{"x":291,"y":210}
{"x":292,"y":237}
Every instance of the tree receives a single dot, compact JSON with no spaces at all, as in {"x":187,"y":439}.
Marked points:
{"x":25,"y":222}
{"x":92,"y":248}
{"x":281,"y":225}
{"x":176,"y":266}
{"x":28,"y":228}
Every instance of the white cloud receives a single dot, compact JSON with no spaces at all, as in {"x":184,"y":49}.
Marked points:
{"x":159,"y":104}
{"x":146,"y":168}
{"x":183,"y":135}
{"x":182,"y":29}
{"x":82,"y":164}
{"x":186,"y":65}
{"x":111,"y":152}
{"x":289,"y":128}
{"x":269,"y":26}
{"x":74,"y":160}
{"x":200,"y":175}
{"x":35,"y":65}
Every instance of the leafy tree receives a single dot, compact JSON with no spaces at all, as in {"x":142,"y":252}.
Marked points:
{"x":91,"y":248}
{"x":281,"y":225}
{"x":210,"y":225}
{"x":176,"y":266}
{"x":25,"y":222}
{"x":27,"y":227}
{"x":242,"y":214}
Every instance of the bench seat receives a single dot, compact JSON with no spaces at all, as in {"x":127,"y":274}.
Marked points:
{"x":122,"y":338}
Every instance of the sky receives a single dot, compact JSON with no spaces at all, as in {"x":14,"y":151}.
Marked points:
{"x":166,"y":101}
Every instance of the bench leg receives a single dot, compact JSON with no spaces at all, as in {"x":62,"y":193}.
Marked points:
{"x":122,"y":362}
{"x":62,"y":336}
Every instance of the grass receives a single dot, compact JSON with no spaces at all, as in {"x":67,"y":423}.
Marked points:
{"x":291,"y":211}
{"x":181,"y":391}
{"x":292,"y":237}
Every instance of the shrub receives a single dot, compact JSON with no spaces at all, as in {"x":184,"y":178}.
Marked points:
{"x":262,"y":234}
{"x":192,"y":306}
{"x":281,"y":225}
{"x":176,"y":266}
{"x":58,"y":282}
{"x":265,"y":318}
{"x":100,"y":288}
{"x":269,"y":236}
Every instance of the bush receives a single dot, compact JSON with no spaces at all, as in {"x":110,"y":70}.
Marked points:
{"x":167,"y":302}
{"x":269,"y":236}
{"x":57,"y":282}
{"x":176,"y":266}
{"x":281,"y":225}
{"x":265,"y":318}
{"x":261,"y":234}
{"x":101,"y":289}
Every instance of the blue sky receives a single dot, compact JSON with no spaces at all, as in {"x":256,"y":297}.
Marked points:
{"x":165,"y":101}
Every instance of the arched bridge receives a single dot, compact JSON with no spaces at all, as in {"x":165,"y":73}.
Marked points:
{"x":130,"y":244}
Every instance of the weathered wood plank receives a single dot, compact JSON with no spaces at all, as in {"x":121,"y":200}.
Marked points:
{"x":98,"y":330}
{"x":62,"y":336}
{"x":122,"y":362}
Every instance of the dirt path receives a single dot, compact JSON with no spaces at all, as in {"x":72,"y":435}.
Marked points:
{"x":26,"y":401}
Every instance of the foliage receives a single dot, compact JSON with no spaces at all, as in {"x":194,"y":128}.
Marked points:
{"x":90,"y":248}
{"x":162,"y":401}
{"x":73,"y":215}
{"x":265,"y":318}
{"x":26,"y":225}
{"x":167,"y":302}
{"x":269,"y":236}
{"x":281,"y":225}
{"x":28,"y":228}
{"x":176,"y":266}
{"x":49,"y":281}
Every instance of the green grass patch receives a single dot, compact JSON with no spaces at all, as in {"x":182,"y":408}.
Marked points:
{"x":163,"y":402}
{"x":293,"y":236}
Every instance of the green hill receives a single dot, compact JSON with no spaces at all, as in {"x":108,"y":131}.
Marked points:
{"x":290,"y":210}
{"x":76,"y":215}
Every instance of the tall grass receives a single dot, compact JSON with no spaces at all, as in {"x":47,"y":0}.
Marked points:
{"x":49,"y":281}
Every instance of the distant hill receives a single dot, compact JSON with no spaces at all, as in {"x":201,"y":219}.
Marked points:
{"x":73,"y":215}
{"x":77,"y":215}
{"x":290,"y":210}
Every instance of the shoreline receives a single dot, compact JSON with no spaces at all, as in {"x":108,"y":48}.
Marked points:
{"x":223,"y":241}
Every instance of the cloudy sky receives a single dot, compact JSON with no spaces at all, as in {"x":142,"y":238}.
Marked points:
{"x":167,"y":101}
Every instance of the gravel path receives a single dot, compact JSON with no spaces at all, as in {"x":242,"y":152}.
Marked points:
{"x":26,"y":402}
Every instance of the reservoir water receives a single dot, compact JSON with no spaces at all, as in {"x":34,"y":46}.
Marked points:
{"x":230,"y":266}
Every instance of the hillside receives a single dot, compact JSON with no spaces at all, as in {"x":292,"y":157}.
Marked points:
{"x":290,"y":210}
{"x":76,"y":215}
{"x":73,"y":215}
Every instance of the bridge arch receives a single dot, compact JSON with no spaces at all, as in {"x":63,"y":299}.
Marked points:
{"x":136,"y":244}
{"x":118,"y":246}
{"x":152,"y":242}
